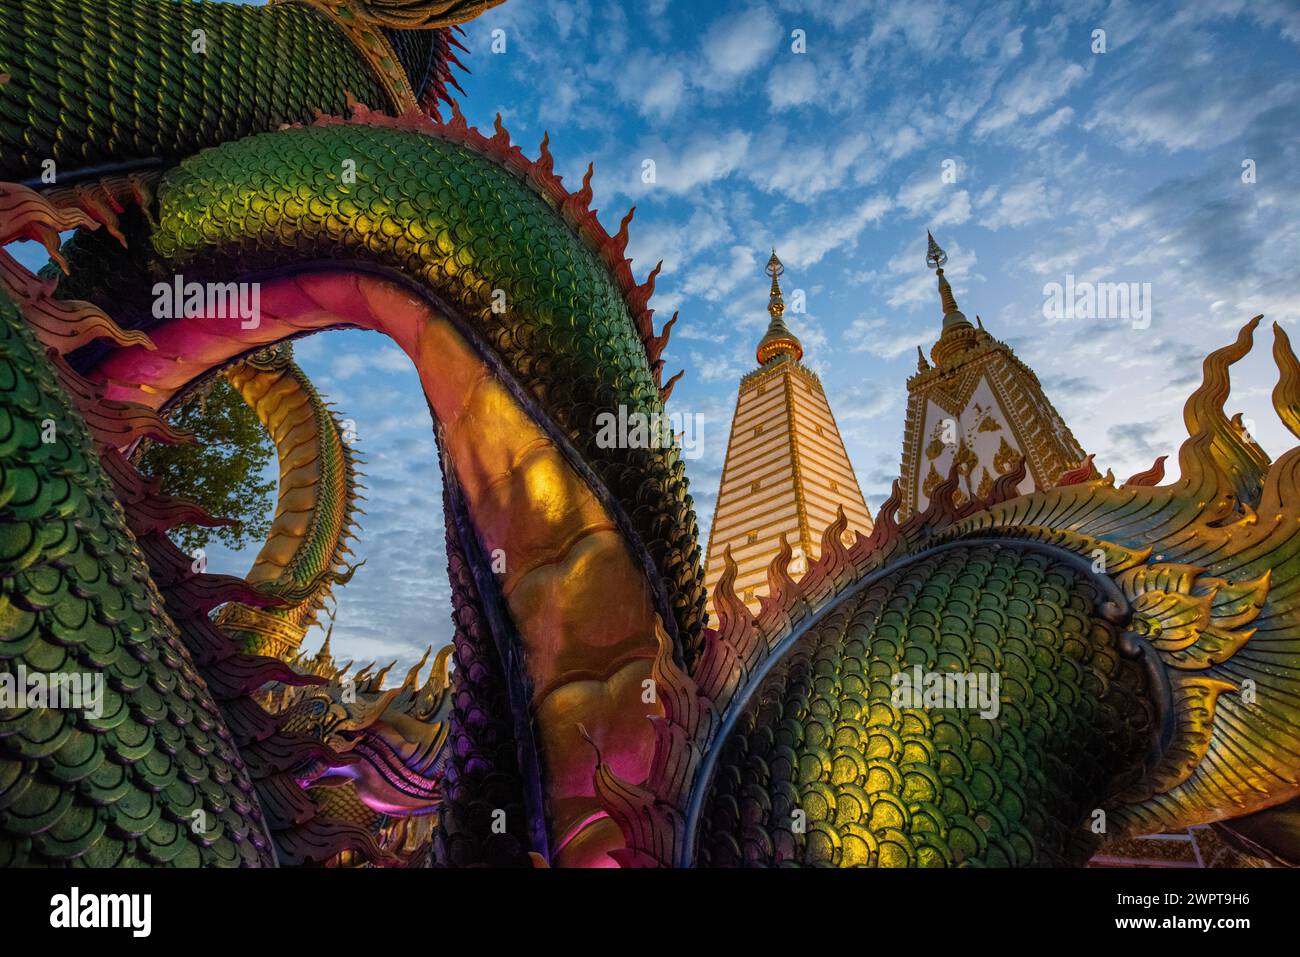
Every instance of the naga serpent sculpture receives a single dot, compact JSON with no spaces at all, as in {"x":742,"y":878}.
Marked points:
{"x":392,"y":787}
{"x":1147,"y":638}
{"x":314,"y":510}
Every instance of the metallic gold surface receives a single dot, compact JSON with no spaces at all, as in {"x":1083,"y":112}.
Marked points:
{"x":315,"y":506}
{"x":575,"y":594}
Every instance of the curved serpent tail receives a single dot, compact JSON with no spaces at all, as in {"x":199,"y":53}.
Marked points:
{"x":189,"y":76}
{"x":315,"y":509}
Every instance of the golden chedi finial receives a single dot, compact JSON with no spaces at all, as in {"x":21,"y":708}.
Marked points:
{"x":323,"y":655}
{"x":778,"y":341}
{"x":958,"y":335}
{"x":774,"y":268}
{"x":935,"y":258}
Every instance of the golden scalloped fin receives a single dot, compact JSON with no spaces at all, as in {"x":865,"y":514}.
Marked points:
{"x":1286,"y":397}
{"x":1194,"y":698}
{"x":1239,"y":604}
{"x":297,"y":592}
{"x":1193,"y":622}
{"x":1108,"y":557}
{"x":365,"y":710}
{"x":1233,"y":463}
{"x":1249,"y":752}
{"x":1229,"y":699}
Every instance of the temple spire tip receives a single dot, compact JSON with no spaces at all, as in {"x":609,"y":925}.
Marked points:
{"x":778,"y":340}
{"x":936,"y":258}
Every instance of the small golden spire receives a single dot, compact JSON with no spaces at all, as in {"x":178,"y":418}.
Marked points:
{"x":778,"y":340}
{"x":323,"y":655}
{"x":935,"y":258}
{"x":775,"y":303}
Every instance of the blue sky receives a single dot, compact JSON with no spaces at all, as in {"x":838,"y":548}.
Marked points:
{"x":1117,"y":166}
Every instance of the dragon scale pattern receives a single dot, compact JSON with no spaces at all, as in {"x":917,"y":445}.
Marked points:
{"x":1146,"y":637}
{"x":123,"y":788}
{"x":890,"y":786}
{"x":314,"y":510}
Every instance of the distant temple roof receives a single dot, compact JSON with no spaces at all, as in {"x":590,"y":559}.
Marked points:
{"x":779,"y":340}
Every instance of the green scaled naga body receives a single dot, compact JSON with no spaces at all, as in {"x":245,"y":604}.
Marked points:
{"x":123,"y":780}
{"x":1110,"y":633}
{"x":125,"y":85}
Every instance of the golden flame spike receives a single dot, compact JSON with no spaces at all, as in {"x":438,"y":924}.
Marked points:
{"x":442,"y":666}
{"x":1286,"y":396}
{"x":412,"y":680}
{"x":379,"y":678}
{"x":1215,"y":449}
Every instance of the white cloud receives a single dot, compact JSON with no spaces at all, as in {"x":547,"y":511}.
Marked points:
{"x":793,"y":83}
{"x":735,"y":46}
{"x":991,"y":34}
{"x":1018,"y":205}
{"x":922,"y":27}
{"x":911,"y":284}
{"x":954,"y":212}
{"x":387,"y":358}
{"x":678,"y":242}
{"x":898,"y":143}
{"x":717,"y":281}
{"x":803,"y":168}
{"x":703,"y":159}
{"x":884,"y":338}
{"x":654,"y":84}
{"x":928,"y":196}
{"x":1186,"y":112}
{"x":1054,"y":122}
{"x":809,"y":244}
{"x":1031,"y":91}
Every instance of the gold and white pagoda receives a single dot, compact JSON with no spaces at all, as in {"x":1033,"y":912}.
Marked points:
{"x":786,"y":471}
{"x":980,"y":406}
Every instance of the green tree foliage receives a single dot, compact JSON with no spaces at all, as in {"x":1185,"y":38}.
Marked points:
{"x":223,"y":473}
